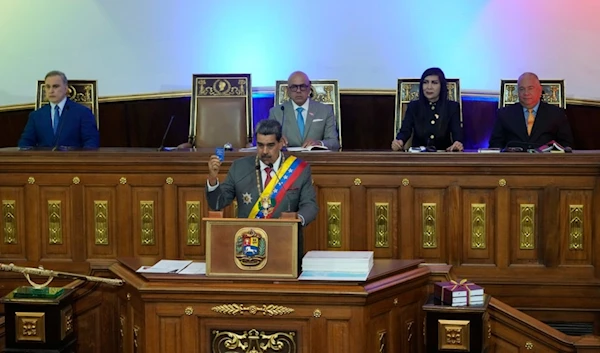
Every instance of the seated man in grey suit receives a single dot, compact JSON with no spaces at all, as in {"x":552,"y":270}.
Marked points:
{"x":305,"y":122}
{"x":267,"y":184}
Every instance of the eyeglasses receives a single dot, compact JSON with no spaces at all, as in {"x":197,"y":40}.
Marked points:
{"x":294,"y":88}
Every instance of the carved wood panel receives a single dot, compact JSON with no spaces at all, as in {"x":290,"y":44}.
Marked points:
{"x":576,"y":209}
{"x":478,"y":243}
{"x":13,"y":229}
{"x":334,"y":219}
{"x":148,"y":226}
{"x":382,"y":226}
{"x":55,"y":222}
{"x":101,"y":227}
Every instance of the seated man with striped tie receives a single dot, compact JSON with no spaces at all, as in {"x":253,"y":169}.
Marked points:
{"x":62,"y":123}
{"x":267,"y":184}
{"x":305,"y":122}
{"x":530,"y":122}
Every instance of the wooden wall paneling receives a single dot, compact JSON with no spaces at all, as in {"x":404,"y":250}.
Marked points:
{"x":55,"y":222}
{"x":170,"y":223}
{"x":382,"y":225}
{"x":101,"y":223}
{"x":334,"y":218}
{"x":380,"y":333}
{"x":148,"y":221}
{"x":409,"y":243}
{"x":478,"y":226}
{"x":95,"y":319}
{"x":410,"y":327}
{"x":575,"y":229}
{"x":453,"y":224}
{"x":525,"y":227}
{"x":430,"y":224}
{"x":125,"y":216}
{"x":192,"y":207}
{"x":311,"y":232}
{"x":13,"y":229}
{"x":33,"y":209}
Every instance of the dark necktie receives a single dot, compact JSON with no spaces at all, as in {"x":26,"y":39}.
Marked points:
{"x":268,"y":178}
{"x":56,"y":118}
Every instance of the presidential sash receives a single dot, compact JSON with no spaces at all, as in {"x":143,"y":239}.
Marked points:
{"x":275,"y":191}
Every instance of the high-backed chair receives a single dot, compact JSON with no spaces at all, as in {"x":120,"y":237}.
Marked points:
{"x":408,"y":90}
{"x":324,"y":91}
{"x":81,"y":91}
{"x":553,"y":92}
{"x":221,"y":111}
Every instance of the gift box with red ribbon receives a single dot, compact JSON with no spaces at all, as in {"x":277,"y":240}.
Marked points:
{"x":458,"y":293}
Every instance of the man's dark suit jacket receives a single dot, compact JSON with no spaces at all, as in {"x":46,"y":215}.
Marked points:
{"x":550,"y":124}
{"x":77,"y":128}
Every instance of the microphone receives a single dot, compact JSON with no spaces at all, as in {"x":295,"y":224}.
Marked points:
{"x":284,"y":196}
{"x":162,"y":144}
{"x":60,"y":127}
{"x":282,"y":117}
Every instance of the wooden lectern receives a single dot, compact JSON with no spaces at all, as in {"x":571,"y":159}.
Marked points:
{"x":245,"y":247}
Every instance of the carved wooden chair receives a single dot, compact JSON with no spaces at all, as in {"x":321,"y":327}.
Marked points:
{"x":221,"y":111}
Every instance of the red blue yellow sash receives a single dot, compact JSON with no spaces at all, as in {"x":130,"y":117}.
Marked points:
{"x":275,"y":191}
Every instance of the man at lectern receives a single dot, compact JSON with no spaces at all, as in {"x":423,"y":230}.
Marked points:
{"x":267,"y":184}
{"x":530,"y":121}
{"x":62,"y":123}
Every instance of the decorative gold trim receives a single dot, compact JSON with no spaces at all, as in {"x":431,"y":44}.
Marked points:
{"x":454,"y":335}
{"x":30,"y":326}
{"x":429,"y":217}
{"x":169,"y":180}
{"x":147,"y":222}
{"x":266,"y":310}
{"x":527,"y":226}
{"x":409,"y":330}
{"x":121,"y":328}
{"x":193,"y":221}
{"x":188,"y":311}
{"x":317,"y":313}
{"x":128,"y":296}
{"x":502,"y":182}
{"x":136,"y":336}
{"x":382,"y":338}
{"x":334,"y":224}
{"x":234,"y":204}
{"x":478,"y":226}
{"x":576,"y":227}
{"x":357,"y":181}
{"x":101,"y":230}
{"x":31,"y":180}
{"x":529,"y":345}
{"x":55,"y":235}
{"x":405,"y":182}
{"x":66,"y":322}
{"x":9,"y":220}
{"x":123,"y":181}
{"x":395,"y":301}
{"x":76,"y":180}
{"x":253,"y":341}
{"x":381,"y":219}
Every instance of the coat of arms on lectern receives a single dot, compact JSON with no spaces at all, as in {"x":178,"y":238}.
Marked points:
{"x":251,"y":248}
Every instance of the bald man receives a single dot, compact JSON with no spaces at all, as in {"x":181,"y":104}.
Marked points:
{"x":530,"y":122}
{"x":305,"y":122}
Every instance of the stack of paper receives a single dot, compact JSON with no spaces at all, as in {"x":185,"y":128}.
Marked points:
{"x":175,"y":266}
{"x":337,"y":265}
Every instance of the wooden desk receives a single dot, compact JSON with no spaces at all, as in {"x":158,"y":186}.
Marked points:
{"x":179,"y":313}
{"x":501,"y":220}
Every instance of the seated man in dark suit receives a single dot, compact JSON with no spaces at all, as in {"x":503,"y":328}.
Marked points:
{"x":62,"y":123}
{"x":305,"y":122}
{"x":267,"y":184}
{"x":530,"y":122}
